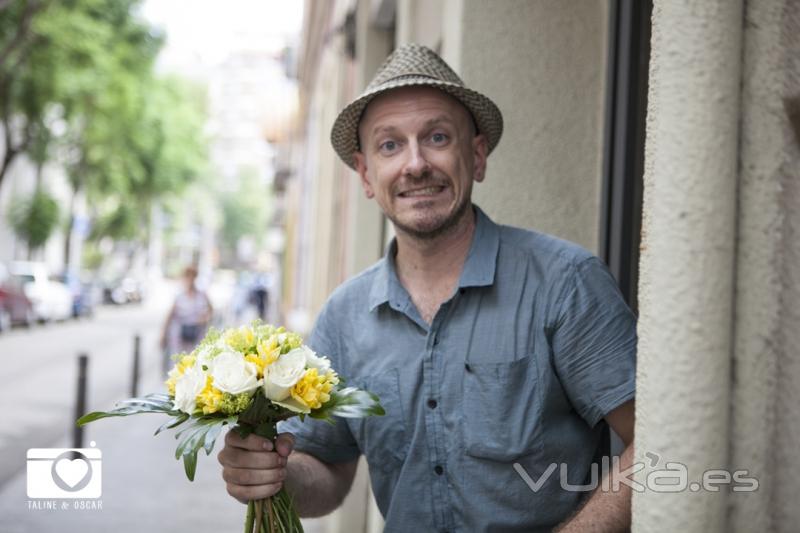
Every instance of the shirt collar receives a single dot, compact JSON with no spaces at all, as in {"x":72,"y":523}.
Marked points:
{"x":479,"y":267}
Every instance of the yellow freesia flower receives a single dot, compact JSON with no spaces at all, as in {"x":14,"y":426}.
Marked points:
{"x":314,"y":389}
{"x":185,"y":362}
{"x":210,"y":397}
{"x":240,"y":339}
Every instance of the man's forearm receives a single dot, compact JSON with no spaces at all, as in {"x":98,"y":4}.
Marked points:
{"x":605,"y":511}
{"x":317,"y":488}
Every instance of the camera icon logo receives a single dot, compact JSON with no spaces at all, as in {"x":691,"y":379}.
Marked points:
{"x":64,"y":473}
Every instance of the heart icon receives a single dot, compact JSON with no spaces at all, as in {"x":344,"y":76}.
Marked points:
{"x":71,"y":472}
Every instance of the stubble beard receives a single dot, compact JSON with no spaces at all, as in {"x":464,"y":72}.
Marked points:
{"x":432,"y":230}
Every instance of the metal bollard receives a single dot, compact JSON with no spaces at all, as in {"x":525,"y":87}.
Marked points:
{"x":80,"y":400}
{"x":137,"y":344}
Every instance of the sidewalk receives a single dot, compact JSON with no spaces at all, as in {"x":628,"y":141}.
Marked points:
{"x":144,"y":489}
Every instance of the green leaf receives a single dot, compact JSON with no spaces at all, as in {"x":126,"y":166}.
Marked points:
{"x":201,"y":432}
{"x":152,"y":403}
{"x":190,"y":464}
{"x":350,"y":402}
{"x":267,"y":429}
{"x":172,"y":422}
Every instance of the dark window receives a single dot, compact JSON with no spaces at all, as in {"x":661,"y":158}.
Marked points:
{"x":623,"y":165}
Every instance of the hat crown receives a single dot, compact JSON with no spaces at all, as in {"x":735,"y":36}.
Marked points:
{"x":413,"y":61}
{"x":414,"y":65}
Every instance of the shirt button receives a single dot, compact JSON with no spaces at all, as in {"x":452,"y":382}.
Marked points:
{"x":436,"y":341}
{"x":467,"y":367}
{"x":438,"y":469}
{"x":432,"y":403}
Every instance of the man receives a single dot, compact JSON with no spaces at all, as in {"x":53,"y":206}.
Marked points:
{"x":492,"y":348}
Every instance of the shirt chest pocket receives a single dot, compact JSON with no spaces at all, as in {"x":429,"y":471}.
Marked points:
{"x":383,"y":439}
{"x":502,"y":409}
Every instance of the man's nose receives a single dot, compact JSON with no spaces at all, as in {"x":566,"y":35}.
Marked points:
{"x":416,"y":165}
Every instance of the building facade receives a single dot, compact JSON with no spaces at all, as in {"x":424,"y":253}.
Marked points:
{"x":694,"y":207}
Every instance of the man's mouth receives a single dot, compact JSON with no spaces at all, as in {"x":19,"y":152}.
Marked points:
{"x":426,"y":191}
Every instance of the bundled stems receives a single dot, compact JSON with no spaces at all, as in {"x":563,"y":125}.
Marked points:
{"x":281,"y":516}
{"x":271,"y":516}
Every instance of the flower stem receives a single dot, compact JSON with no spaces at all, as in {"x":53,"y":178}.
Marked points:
{"x":271,"y":516}
{"x":259,"y":505}
{"x":249,"y":519}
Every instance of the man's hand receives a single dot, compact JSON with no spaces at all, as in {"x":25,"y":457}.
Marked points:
{"x":253,"y":468}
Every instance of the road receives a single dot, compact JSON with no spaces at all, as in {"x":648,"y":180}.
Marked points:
{"x":143,"y":487}
{"x":38,"y":372}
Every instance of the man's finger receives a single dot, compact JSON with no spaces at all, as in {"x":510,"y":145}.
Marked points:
{"x":239,"y":458}
{"x":284,"y":444}
{"x":251,"y":442}
{"x":250,"y":476}
{"x":245,"y":493}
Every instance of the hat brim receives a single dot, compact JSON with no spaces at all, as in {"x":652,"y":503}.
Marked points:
{"x":344,"y":134}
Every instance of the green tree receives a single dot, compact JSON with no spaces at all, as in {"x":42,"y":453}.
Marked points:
{"x":245,"y":212}
{"x":125,"y":136}
{"x":56,"y":54}
{"x":34,"y":219}
{"x":150,"y":147}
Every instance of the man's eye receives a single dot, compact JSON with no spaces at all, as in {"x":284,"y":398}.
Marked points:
{"x":439,"y":138}
{"x":388,"y":146}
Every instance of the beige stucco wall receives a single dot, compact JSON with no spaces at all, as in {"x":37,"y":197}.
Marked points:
{"x":420,"y":21}
{"x":718,"y":382}
{"x":687,"y":262}
{"x":765,"y":421}
{"x":544,"y":64}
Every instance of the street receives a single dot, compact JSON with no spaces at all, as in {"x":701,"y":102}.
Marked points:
{"x":143,"y":486}
{"x":39,"y":373}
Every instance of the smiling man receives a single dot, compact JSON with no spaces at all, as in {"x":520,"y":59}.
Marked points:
{"x":493,"y":348}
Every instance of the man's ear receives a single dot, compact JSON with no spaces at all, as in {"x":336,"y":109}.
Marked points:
{"x":480,"y":149}
{"x":361,"y":167}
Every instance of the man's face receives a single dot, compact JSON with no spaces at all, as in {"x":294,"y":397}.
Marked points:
{"x":419,"y":156}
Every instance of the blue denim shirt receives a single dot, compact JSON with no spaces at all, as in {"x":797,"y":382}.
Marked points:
{"x":520,"y":365}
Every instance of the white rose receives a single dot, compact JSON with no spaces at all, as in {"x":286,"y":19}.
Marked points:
{"x":321,"y":363}
{"x":283,"y":374}
{"x":204,"y":356}
{"x":233,"y":374}
{"x":187,"y":387}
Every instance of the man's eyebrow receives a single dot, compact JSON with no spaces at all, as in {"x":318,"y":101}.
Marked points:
{"x":387,"y":128}
{"x":382,"y":128}
{"x":439,"y":120}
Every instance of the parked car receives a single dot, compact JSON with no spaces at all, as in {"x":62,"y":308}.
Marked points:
{"x":123,"y":290}
{"x":15,"y":307}
{"x":85,"y":294}
{"x":51,"y":299}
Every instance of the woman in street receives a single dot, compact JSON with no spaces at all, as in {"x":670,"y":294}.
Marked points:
{"x":188,"y":319}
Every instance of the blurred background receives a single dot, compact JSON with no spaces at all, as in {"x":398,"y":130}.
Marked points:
{"x":141,"y":137}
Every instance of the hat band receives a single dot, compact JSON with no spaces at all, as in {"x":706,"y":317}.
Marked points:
{"x":408,"y":75}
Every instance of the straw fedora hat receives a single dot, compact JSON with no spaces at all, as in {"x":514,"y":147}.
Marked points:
{"x":414,"y":65}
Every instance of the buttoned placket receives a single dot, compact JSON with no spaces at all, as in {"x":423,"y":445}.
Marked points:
{"x":433,"y":377}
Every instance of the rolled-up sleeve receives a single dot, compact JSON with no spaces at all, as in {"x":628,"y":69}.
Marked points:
{"x":594,"y":342}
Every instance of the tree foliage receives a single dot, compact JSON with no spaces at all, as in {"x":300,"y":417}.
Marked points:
{"x":77,"y":85}
{"x":245,"y":211}
{"x":34,"y":218}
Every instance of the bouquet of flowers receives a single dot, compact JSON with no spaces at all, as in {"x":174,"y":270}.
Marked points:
{"x":249,"y":378}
